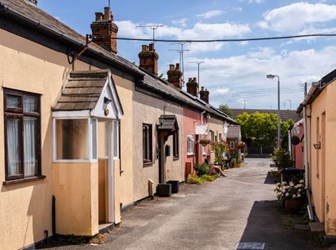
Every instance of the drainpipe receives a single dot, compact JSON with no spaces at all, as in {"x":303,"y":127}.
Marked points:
{"x":306,"y":124}
{"x":202,"y":114}
{"x":289,"y":144}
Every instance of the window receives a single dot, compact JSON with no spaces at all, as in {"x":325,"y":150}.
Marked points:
{"x":76,"y":139}
{"x":190,"y":145}
{"x":147,"y":143}
{"x":232,"y":144}
{"x":22,"y":134}
{"x":175,"y":144}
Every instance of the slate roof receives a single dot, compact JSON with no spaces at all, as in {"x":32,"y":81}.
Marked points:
{"x":82,"y":90}
{"x":284,"y":114}
{"x":40,"y":21}
{"x":233,"y":132}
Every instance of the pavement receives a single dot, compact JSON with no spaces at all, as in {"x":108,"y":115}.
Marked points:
{"x":234,"y":212}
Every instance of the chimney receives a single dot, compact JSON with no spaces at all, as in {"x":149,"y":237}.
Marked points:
{"x":204,"y":95}
{"x":192,"y":86}
{"x":175,"y":75}
{"x":104,"y":30}
{"x":149,"y":58}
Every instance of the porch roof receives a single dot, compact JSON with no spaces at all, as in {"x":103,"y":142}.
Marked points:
{"x":92,"y":91}
{"x":168,"y":122}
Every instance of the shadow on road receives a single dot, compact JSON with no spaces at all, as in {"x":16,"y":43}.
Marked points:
{"x":268,"y":228}
{"x":271,"y":179}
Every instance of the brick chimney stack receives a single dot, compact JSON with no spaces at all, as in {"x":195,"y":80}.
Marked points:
{"x":104,"y":30}
{"x":204,"y":95}
{"x":175,"y":75}
{"x":192,"y":86}
{"x":149,"y":58}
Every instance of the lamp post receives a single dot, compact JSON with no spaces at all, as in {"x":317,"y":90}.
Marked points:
{"x":270,"y":76}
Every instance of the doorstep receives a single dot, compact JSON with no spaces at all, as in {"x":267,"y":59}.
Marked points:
{"x":104,"y":228}
{"x":316,"y":228}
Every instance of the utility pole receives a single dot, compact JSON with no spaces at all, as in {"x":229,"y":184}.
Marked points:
{"x":198,"y":70}
{"x":245,"y":103}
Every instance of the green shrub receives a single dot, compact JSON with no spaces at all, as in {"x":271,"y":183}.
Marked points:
{"x":202,"y":169}
{"x":281,"y":158}
{"x":207,"y":177}
{"x":194,"y":179}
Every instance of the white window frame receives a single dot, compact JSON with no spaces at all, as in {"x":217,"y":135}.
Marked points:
{"x":89,"y":142}
{"x":190,"y":145}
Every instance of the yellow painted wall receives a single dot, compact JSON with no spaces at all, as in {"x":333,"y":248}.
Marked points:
{"x":76,"y":191}
{"x":25,"y":209}
{"x":148,"y":110}
{"x":330,"y":172}
{"x":218,"y":127}
{"x":323,"y":183}
{"x":125,"y":173}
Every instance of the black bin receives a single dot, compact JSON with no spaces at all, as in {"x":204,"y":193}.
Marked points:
{"x":175,"y":185}
{"x":164,"y":190}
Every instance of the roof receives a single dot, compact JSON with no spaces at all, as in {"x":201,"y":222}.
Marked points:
{"x":285,"y":115}
{"x":39,"y":21}
{"x":168,"y":122}
{"x":233,"y":132}
{"x":82,"y":91}
{"x":92,"y":91}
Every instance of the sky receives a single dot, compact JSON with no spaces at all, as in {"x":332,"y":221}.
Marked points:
{"x":233,"y":72}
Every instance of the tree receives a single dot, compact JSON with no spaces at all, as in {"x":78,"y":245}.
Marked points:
{"x":225,"y":108}
{"x":260,"y":129}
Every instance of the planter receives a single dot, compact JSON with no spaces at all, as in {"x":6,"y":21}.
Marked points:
{"x":164,"y":190}
{"x":293,"y":205}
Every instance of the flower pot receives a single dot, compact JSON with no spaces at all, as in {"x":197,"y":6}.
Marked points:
{"x":293,"y":205}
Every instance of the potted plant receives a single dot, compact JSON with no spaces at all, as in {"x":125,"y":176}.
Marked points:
{"x":291,"y":194}
{"x":204,"y":141}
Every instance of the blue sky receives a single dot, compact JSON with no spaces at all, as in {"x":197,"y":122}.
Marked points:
{"x":235,"y":72}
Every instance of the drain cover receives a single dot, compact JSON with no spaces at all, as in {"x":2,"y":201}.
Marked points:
{"x":251,"y":245}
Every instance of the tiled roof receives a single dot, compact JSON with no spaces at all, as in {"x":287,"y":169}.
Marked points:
{"x":233,"y":132}
{"x":40,"y":21}
{"x":284,"y":114}
{"x":82,"y":91}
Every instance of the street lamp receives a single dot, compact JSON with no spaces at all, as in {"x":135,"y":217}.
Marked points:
{"x":270,"y":76}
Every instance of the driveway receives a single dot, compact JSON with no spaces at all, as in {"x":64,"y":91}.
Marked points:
{"x":237,"y":211}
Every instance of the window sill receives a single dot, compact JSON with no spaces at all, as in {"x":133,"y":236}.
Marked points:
{"x":190,"y":154}
{"x":17,"y":181}
{"x":147,"y":164}
{"x":175,"y":158}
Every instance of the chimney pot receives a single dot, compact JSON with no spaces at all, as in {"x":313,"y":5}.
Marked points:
{"x":107,"y":13}
{"x":151,"y":47}
{"x":144,"y":48}
{"x":177,"y":66}
{"x":149,"y":58}
{"x":171,"y":66}
{"x":99,"y":16}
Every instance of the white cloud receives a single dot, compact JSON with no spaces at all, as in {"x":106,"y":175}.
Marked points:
{"x":210,"y":14}
{"x":239,"y":75}
{"x":298,"y":16}
{"x":181,"y":22}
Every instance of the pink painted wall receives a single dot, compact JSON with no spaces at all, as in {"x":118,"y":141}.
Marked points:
{"x":190,"y":120}
{"x":297,"y":150}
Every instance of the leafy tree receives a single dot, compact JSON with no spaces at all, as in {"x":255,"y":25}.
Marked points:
{"x":225,"y":108}
{"x":260,"y":129}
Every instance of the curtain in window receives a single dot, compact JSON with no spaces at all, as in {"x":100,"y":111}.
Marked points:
{"x":13,"y":148}
{"x":29,"y":145}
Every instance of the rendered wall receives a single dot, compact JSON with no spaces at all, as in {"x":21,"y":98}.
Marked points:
{"x":323,"y":173}
{"x":330,"y":172}
{"x":148,"y":110}
{"x":25,"y":209}
{"x":76,"y":192}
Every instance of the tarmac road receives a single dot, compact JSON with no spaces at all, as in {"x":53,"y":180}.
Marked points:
{"x":237,"y":211}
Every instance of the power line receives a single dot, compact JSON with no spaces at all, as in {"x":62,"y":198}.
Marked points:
{"x":224,"y":40}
